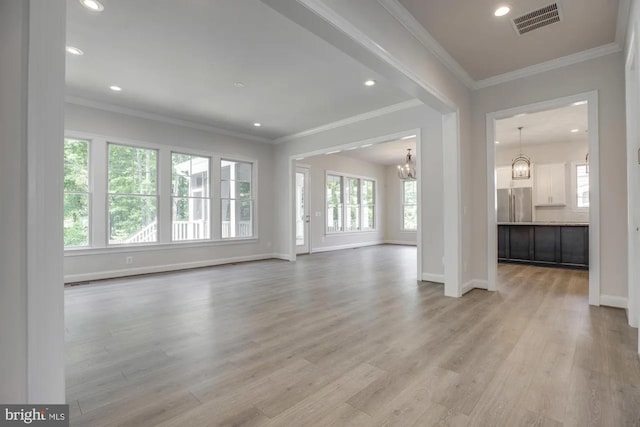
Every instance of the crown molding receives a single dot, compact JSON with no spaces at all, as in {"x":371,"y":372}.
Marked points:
{"x":353,"y":119}
{"x":402,"y":15}
{"x":84,"y":102}
{"x":542,"y":67}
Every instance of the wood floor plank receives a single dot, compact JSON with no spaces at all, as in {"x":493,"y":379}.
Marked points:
{"x":347,"y":338}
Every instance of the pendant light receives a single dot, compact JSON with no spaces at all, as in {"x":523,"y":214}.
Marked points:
{"x":521,"y":165}
{"x":408,"y":170}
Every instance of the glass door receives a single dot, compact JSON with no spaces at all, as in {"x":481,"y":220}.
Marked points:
{"x":302,"y":211}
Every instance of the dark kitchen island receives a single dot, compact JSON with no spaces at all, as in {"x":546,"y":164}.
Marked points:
{"x":545,"y":244}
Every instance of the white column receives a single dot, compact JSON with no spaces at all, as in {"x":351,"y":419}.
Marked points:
{"x":32,"y":35}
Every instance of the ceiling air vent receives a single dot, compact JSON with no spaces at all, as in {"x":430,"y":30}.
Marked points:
{"x":542,"y":17}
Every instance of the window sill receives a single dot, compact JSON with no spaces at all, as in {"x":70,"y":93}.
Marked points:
{"x":114,"y":249}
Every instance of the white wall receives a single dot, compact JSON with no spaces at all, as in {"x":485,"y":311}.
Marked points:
{"x":604,"y":74}
{"x":320,"y":240}
{"x":31,"y":121}
{"x":570,"y":153}
{"x":429,"y":123}
{"x":393,"y":232}
{"x":110,"y":262}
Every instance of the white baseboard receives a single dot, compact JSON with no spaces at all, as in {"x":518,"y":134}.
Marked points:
{"x":474,"y":284}
{"x":349,"y":246}
{"x":284,"y":257}
{"x":110,"y":274}
{"x":613,"y":301}
{"x":430,"y":277}
{"x":480,"y":284}
{"x":400,"y":242}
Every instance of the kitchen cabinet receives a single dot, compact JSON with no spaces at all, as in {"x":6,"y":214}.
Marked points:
{"x":550,"y":185}
{"x":553,"y":245}
{"x":503,"y":179}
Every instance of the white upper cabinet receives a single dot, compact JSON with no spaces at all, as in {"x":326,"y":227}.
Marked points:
{"x":550,"y":185}
{"x":503,"y":179}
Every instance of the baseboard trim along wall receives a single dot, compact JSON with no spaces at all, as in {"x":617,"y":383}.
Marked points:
{"x":400,"y":242}
{"x":474,"y":284}
{"x":112,"y":274}
{"x":430,"y":277}
{"x":349,"y":246}
{"x":613,"y":301}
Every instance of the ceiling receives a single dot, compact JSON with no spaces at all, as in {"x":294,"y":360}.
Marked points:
{"x":545,"y":127}
{"x":182,"y":58}
{"x":486,"y":46}
{"x":386,"y":153}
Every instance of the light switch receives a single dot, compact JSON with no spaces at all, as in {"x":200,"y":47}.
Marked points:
{"x":318,"y":213}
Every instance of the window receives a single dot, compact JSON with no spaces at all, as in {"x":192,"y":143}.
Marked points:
{"x":190,"y":197}
{"x":236,"y":199}
{"x":582,"y":186}
{"x":368,"y":204}
{"x":409,"y":206}
{"x":76,"y":193}
{"x":334,"y":203}
{"x":132,"y":194}
{"x":352,"y":199}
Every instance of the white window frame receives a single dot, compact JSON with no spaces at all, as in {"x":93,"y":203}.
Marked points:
{"x":363,"y":205}
{"x":574,"y":188}
{"x":345,"y":176}
{"x":254,"y":189}
{"x":157,"y":195}
{"x":403,"y":204}
{"x":98,"y":184}
{"x":209,"y":198}
{"x":89,"y":193}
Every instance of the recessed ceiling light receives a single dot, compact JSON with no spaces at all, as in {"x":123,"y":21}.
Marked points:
{"x":502,"y":10}
{"x":256,"y":124}
{"x":575,"y":130}
{"x":370,"y":82}
{"x":74,"y":51}
{"x":93,"y":5}
{"x":575,"y":104}
{"x":497,"y":142}
{"x":408,"y":137}
{"x":238,"y":84}
{"x":366,"y":145}
{"x":115,"y":88}
{"x":334,"y":152}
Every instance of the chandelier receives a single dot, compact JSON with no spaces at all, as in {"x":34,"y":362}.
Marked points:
{"x":408,"y":170}
{"x":521,"y":165}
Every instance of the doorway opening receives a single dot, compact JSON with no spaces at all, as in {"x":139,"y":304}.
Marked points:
{"x":548,"y":216}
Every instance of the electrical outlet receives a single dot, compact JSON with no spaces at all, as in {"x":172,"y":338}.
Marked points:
{"x":129,"y":260}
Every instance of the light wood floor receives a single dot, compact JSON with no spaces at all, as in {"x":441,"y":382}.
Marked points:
{"x":347,"y":338}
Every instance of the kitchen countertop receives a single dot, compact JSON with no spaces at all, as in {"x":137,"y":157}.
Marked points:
{"x":562,"y":224}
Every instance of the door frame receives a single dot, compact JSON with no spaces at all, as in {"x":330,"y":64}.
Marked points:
{"x":306,"y":169}
{"x":452,"y":197}
{"x":594,"y":185}
{"x":632,"y":89}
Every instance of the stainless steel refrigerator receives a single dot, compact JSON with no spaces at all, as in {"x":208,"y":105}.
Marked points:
{"x":515,"y":205}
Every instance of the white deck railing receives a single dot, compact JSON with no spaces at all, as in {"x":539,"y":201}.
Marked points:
{"x":189,"y":230}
